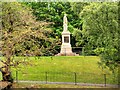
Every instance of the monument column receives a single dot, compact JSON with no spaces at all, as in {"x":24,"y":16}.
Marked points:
{"x":66,"y":49}
{"x":66,"y":46}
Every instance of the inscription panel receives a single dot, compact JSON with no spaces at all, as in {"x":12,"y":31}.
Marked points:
{"x":66,"y":39}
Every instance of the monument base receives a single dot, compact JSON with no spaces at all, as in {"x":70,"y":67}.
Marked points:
{"x":68,"y":54}
{"x":66,"y":50}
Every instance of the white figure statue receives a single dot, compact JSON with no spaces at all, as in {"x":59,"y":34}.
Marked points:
{"x":65,"y":22}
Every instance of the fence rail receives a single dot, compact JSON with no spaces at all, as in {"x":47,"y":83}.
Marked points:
{"x":71,"y":77}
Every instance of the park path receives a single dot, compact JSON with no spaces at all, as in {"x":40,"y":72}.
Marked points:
{"x":73,"y":83}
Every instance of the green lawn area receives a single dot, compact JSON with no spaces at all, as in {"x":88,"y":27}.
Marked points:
{"x":62,"y":68}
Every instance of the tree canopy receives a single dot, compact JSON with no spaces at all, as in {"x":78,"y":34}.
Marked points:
{"x":100,"y":32}
{"x":22,"y":35}
{"x":32,"y":34}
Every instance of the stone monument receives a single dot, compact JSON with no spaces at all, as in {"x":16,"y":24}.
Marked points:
{"x":66,"y":49}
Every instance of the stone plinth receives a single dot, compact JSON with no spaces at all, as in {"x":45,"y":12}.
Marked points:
{"x":66,"y":48}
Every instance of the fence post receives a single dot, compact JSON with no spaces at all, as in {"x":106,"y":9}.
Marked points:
{"x":17,"y":76}
{"x":46,"y":77}
{"x":75,"y":78}
{"x":105,"y":79}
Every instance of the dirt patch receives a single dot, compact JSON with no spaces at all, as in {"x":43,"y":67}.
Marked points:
{"x":4,"y":85}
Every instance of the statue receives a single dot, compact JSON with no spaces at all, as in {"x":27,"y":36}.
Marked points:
{"x":65,"y":19}
{"x":65,"y":23}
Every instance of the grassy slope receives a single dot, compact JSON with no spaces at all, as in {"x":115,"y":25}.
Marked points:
{"x":86,"y":67}
{"x":65,"y":64}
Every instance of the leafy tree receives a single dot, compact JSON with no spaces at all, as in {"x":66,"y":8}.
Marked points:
{"x":101,"y":33}
{"x":22,"y":35}
{"x":77,"y":7}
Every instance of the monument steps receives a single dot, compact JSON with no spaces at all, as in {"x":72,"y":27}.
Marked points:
{"x":67,"y":54}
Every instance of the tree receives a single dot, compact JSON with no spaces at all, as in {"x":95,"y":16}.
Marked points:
{"x":77,"y":7}
{"x":22,"y":35}
{"x":101,"y":33}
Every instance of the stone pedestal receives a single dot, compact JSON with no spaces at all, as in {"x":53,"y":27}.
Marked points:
{"x":66,"y":46}
{"x":66,"y":49}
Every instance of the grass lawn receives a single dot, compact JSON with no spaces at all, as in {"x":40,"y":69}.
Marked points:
{"x":62,"y":68}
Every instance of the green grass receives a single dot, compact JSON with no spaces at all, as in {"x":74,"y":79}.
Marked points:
{"x":62,"y":68}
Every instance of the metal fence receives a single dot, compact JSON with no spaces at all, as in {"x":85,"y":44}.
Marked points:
{"x":66,"y":77}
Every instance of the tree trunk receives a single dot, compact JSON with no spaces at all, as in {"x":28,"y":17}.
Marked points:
{"x":6,"y":74}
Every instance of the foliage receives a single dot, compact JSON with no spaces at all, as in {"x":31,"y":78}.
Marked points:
{"x":77,"y":7}
{"x":101,"y":33}
{"x":32,"y":35}
{"x":54,"y":12}
{"x":22,"y":35}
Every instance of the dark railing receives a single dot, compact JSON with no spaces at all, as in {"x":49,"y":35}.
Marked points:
{"x":67,"y":77}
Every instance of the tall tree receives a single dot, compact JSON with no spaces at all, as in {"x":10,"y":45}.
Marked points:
{"x":77,"y":7}
{"x":101,"y":33}
{"x":23,"y":35}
